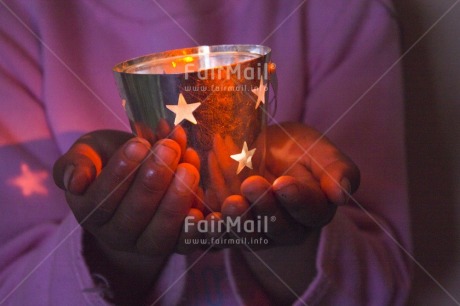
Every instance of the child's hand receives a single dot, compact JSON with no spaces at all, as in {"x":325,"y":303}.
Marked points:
{"x":133,"y":199}
{"x":131,"y":196}
{"x":306,"y":178}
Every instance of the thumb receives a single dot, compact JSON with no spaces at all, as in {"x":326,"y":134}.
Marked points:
{"x":79,"y":166}
{"x":339,"y":179}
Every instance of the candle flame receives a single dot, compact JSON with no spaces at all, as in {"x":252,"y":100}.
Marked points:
{"x":188,"y":59}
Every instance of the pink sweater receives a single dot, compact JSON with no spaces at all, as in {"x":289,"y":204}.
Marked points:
{"x":337,"y":71}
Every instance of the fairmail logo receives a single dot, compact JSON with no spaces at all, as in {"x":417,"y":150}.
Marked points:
{"x":231,"y":72}
{"x":237,"y":225}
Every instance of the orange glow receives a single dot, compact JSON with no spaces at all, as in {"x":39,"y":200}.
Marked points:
{"x":271,"y":67}
{"x":173,"y":63}
{"x":284,"y":152}
{"x":89,"y":152}
{"x":30,"y":182}
{"x":188,"y":59}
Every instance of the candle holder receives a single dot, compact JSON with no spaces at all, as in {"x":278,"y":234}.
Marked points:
{"x":216,"y":96}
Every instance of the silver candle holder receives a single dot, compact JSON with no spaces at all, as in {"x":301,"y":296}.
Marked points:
{"x":217,"y":95}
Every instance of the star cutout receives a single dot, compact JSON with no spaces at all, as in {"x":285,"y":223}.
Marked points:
{"x":260,"y":92}
{"x":244,"y":158}
{"x":183,"y":110}
{"x":30,"y":182}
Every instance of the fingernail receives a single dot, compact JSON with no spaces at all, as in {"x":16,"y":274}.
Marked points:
{"x":137,"y":149}
{"x":164,"y":155}
{"x":288,"y":192}
{"x":186,"y":180}
{"x":68,"y":175}
{"x":346,"y":190}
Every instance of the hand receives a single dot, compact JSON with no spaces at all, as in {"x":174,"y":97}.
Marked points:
{"x":306,"y":178}
{"x":131,"y":197}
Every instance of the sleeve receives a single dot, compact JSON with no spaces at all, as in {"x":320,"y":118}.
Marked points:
{"x":41,"y":249}
{"x":355,"y":97}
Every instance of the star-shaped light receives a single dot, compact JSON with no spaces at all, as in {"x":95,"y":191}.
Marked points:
{"x":260,"y":92}
{"x":30,"y":182}
{"x":183,"y":110}
{"x":244,"y":158}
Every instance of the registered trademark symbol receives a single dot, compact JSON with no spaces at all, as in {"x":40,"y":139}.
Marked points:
{"x":272,"y":219}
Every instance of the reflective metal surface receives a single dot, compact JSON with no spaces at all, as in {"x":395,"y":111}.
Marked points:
{"x":215,"y":96}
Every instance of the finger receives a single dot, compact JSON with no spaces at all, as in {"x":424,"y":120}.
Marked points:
{"x":104,"y":194}
{"x":143,"y":197}
{"x":190,"y":235}
{"x":319,"y":155}
{"x":162,"y":129}
{"x":191,"y":157}
{"x":339,"y":181}
{"x":282,"y":228}
{"x":161,"y":234}
{"x":236,"y":206}
{"x":143,"y":130}
{"x":76,"y":169}
{"x":238,"y":218}
{"x":178,"y":135}
{"x":304,"y":200}
{"x":338,"y":175}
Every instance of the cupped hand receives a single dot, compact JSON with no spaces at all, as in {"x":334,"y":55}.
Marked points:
{"x":131,"y":196}
{"x":306,"y":178}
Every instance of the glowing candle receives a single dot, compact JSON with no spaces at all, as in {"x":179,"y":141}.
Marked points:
{"x":217,"y":95}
